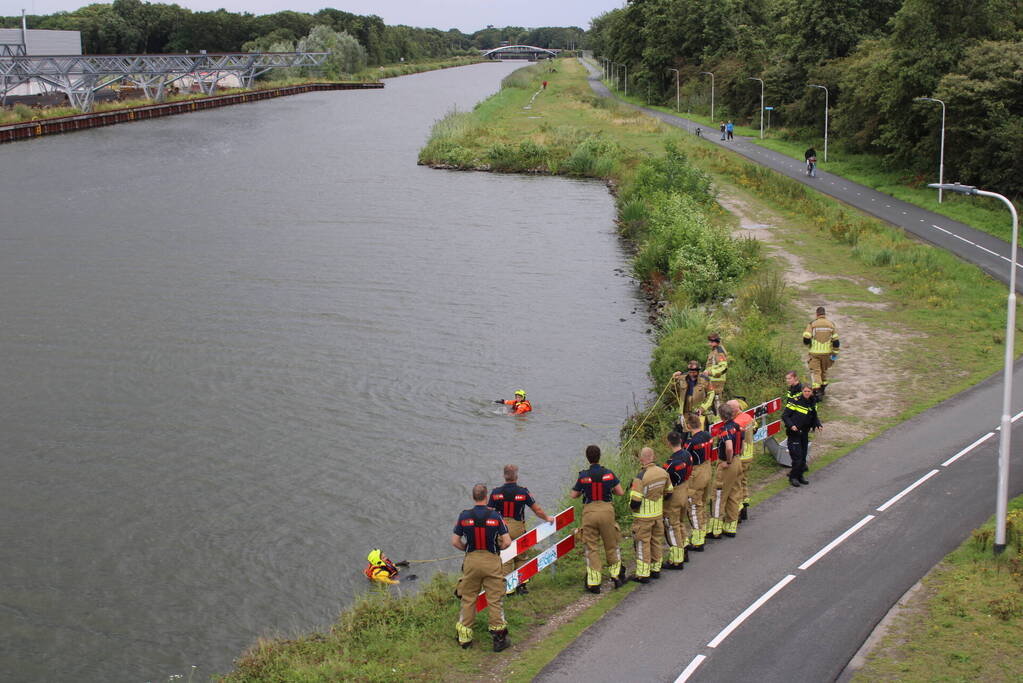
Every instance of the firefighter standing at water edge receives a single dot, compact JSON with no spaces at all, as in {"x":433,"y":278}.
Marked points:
{"x":482,"y":534}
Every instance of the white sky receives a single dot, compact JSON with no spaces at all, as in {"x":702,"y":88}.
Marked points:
{"x":466,"y":15}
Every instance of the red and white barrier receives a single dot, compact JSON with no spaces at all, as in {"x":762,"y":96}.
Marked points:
{"x":532,"y":568}
{"x":766,"y":431}
{"x":535,"y":535}
{"x":766,"y":408}
{"x":541,"y":561}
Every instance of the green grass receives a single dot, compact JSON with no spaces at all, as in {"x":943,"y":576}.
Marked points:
{"x":968,"y":623}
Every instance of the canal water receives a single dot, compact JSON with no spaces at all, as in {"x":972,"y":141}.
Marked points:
{"x":242,"y":347}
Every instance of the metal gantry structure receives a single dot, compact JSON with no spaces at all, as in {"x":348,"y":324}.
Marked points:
{"x":79,"y":77}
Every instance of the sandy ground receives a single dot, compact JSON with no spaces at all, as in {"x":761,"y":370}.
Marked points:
{"x":861,"y":396}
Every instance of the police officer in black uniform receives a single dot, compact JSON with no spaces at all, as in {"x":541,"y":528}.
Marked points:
{"x":482,"y":534}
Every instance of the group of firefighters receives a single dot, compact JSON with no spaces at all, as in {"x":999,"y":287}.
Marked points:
{"x":700,"y":493}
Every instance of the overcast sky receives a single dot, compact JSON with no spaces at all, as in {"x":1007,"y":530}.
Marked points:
{"x":466,"y":15}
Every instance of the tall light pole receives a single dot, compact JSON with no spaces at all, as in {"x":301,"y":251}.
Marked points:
{"x":825,"y":117}
{"x":1002,"y":493}
{"x":751,"y":78}
{"x":941,"y":162}
{"x":677,"y":99}
{"x":711,"y":94}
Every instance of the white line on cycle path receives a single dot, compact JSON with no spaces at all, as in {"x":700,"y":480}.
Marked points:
{"x":844,"y":536}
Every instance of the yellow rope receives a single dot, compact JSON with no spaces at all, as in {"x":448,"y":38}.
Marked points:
{"x":437,"y":559}
{"x":647,"y":416}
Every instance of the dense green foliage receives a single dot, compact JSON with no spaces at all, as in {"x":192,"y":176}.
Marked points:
{"x":875,"y":56}
{"x":133,"y":26}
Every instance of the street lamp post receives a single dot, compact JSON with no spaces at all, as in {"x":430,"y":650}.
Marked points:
{"x":751,"y":78}
{"x":1002,"y":493}
{"x":707,"y":73}
{"x":678,"y":109}
{"x":826,"y":95}
{"x":941,"y":162}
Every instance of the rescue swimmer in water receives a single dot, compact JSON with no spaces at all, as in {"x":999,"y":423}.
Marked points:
{"x":379,"y":568}
{"x":518,"y":405}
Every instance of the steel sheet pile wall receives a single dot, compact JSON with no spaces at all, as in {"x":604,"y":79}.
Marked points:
{"x":66,"y":124}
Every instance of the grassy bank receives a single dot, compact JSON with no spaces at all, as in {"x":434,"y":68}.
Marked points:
{"x":20,"y":112}
{"x":982,"y":213}
{"x":670,"y":190}
{"x":966,"y":623}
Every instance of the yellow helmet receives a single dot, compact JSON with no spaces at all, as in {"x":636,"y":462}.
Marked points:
{"x":521,"y":392}
{"x":375,"y":557}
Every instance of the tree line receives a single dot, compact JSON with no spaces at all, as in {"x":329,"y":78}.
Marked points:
{"x":874,"y":56}
{"x":133,"y":26}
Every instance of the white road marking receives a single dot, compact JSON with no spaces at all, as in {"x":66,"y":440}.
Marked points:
{"x":968,"y":448}
{"x":835,"y":543}
{"x":684,"y":676}
{"x":727,"y":630}
{"x":906,"y":490}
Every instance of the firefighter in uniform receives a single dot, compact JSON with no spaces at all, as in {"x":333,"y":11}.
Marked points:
{"x":821,"y":336}
{"x":511,"y":500}
{"x":725,"y":513}
{"x":518,"y":405}
{"x":716,"y":367}
{"x":646,"y":498}
{"x":482,"y":534}
{"x":678,"y":467}
{"x":596,"y":485}
{"x":748,"y":426}
{"x":693,"y":391}
{"x":701,"y":449}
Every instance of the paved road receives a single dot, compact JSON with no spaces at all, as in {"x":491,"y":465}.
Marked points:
{"x":986,"y":251}
{"x":783,"y":601}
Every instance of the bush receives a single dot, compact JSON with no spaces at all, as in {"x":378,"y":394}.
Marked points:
{"x":595,"y":156}
{"x":768,"y":294}
{"x":675,"y":349}
{"x":671,"y":174}
{"x":632,"y":218}
{"x":703,"y":260}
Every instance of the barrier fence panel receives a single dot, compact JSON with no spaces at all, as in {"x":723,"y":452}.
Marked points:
{"x":532,"y":568}
{"x":534,"y":536}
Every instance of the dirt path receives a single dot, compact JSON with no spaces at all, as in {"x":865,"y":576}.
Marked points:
{"x":862,"y":395}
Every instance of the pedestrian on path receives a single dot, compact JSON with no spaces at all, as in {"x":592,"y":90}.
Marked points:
{"x":722,"y":128}
{"x":730,"y":129}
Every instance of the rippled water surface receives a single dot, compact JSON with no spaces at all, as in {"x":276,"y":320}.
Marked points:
{"x":242,"y":347}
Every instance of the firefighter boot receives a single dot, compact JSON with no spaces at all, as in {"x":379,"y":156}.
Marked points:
{"x":501,"y":640}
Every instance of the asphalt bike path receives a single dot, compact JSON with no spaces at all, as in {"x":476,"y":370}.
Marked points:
{"x":813,"y":571}
{"x":988,"y":252}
